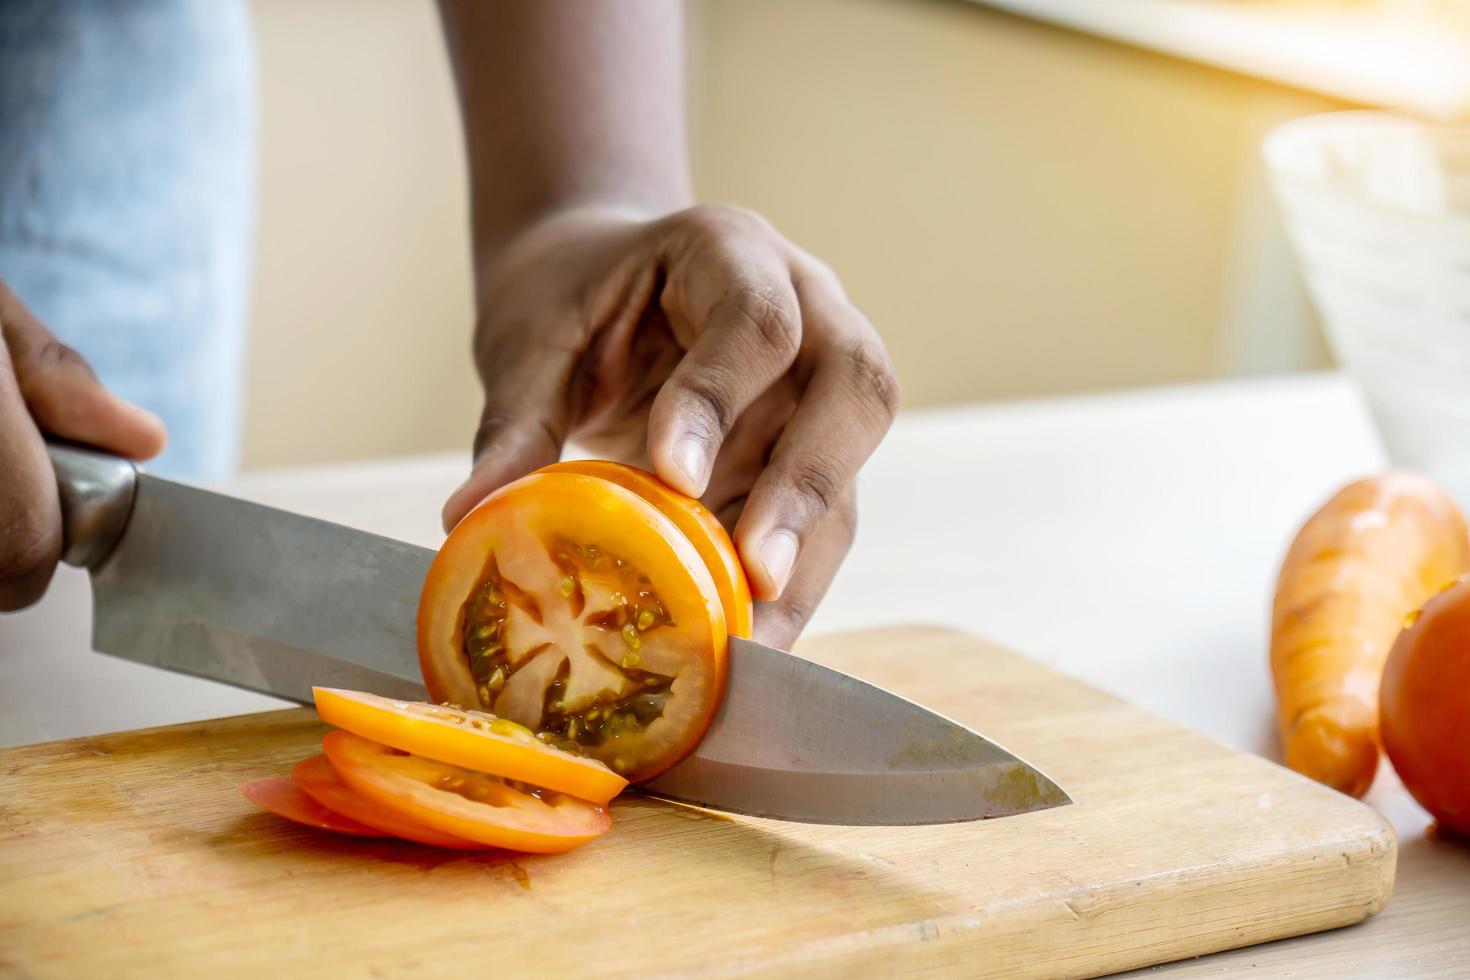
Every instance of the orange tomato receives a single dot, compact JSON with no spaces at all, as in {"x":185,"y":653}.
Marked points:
{"x":1425,"y":701}
{"x":316,"y":778}
{"x":279,"y":795}
{"x":468,"y":738}
{"x":573,"y":606}
{"x":703,"y":530}
{"x":461,"y":802}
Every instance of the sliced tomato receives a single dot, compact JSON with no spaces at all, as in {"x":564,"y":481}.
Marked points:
{"x":469,"y":738}
{"x":694,"y":519}
{"x":316,"y":778}
{"x":573,"y":606}
{"x":280,"y":796}
{"x":462,"y":802}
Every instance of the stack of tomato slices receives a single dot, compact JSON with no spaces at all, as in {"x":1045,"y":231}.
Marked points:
{"x":593,"y":604}
{"x":440,"y":775}
{"x":583,"y":614}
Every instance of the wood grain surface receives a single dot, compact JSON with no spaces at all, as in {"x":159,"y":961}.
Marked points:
{"x":133,"y":855}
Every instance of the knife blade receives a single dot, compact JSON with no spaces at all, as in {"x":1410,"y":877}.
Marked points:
{"x":794,"y":740}
{"x":205,"y":584}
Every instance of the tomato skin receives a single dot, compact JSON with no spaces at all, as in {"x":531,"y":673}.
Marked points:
{"x":515,"y":754}
{"x":691,"y":517}
{"x":1425,"y":701}
{"x":315,"y":777}
{"x":281,"y":796}
{"x":597,"y":512}
{"x":412,"y":788}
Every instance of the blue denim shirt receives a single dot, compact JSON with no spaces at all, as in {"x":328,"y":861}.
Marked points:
{"x":127,"y":160}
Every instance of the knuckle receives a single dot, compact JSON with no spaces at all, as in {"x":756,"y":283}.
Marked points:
{"x":53,"y":357}
{"x":872,"y":375}
{"x":770,"y":318}
{"x":796,"y":611}
{"x":53,"y":353}
{"x":41,"y":367}
{"x":718,"y":218}
{"x":494,"y":423}
{"x":713,"y":408}
{"x":491,"y":424}
{"x":814,"y":481}
{"x":705,"y":221}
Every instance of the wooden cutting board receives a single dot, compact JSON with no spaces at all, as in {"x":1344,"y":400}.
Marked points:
{"x":133,"y":855}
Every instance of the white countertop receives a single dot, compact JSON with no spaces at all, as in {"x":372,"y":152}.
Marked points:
{"x":1130,"y":539}
{"x":1395,"y":53}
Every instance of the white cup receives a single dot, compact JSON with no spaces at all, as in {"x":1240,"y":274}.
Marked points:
{"x":1377,"y":208}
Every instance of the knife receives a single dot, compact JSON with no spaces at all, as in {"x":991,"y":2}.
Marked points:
{"x":220,"y":588}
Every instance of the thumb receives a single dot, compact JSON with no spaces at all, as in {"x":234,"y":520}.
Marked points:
{"x":64,"y":396}
{"x":522,"y":427}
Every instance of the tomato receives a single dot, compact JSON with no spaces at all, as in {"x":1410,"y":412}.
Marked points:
{"x":459,"y":801}
{"x":571,"y":605}
{"x":468,"y":738}
{"x":1425,"y":707}
{"x":280,"y":796}
{"x":703,"y":530}
{"x":316,"y":778}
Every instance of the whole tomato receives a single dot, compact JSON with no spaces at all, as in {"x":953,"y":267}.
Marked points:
{"x":1426,"y":707}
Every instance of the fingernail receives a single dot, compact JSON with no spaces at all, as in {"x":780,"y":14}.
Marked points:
{"x":777,"y":552}
{"x":689,"y":457}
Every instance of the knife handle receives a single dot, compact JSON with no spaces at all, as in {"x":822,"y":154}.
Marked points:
{"x":96,"y":492}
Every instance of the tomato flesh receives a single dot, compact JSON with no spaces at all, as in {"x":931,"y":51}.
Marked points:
{"x":318,"y":780}
{"x":279,"y":795}
{"x":572,"y":606}
{"x":461,"y":802}
{"x":696,"y":523}
{"x":468,"y":738}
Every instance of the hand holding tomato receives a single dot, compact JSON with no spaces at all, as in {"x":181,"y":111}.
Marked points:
{"x":704,"y":346}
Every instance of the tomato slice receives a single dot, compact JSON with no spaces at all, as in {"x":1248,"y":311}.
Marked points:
{"x":694,"y":519}
{"x":468,"y":738}
{"x":316,"y":778}
{"x":572,"y":606}
{"x":280,"y":796}
{"x":462,"y":802}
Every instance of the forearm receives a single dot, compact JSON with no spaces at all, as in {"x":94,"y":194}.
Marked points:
{"x":567,"y":104}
